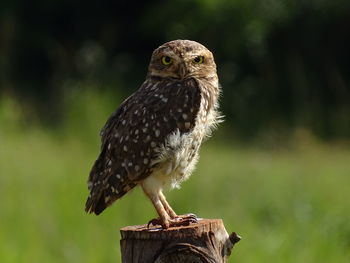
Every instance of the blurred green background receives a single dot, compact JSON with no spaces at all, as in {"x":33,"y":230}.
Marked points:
{"x":277,"y":171}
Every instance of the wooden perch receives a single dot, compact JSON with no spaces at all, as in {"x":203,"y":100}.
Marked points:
{"x":206,"y":241}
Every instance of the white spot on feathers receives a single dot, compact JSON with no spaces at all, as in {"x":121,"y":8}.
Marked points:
{"x":157,"y":132}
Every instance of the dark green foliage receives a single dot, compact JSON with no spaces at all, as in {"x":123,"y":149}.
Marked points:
{"x":282,"y":64}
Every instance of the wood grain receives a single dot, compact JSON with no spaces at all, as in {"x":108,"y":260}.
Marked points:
{"x":205,"y":241}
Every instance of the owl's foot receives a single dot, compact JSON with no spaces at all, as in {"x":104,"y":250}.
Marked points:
{"x":154,"y":222}
{"x":183,"y":220}
{"x":188,"y":217}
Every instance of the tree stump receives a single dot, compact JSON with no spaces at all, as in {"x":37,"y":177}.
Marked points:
{"x":206,"y":241}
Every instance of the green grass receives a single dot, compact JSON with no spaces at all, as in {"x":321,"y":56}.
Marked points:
{"x":289,"y":205}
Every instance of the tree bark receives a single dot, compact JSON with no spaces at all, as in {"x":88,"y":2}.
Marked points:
{"x":204,"y":242}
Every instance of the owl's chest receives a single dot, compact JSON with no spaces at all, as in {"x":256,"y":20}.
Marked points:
{"x":179,"y":158}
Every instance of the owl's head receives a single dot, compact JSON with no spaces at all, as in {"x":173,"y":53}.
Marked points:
{"x":181,"y":59}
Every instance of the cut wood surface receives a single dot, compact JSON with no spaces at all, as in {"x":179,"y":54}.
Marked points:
{"x":204,"y":241}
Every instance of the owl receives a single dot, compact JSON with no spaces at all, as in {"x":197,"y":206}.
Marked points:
{"x":153,"y":138}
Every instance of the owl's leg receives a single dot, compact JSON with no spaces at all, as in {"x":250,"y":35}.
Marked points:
{"x":167,"y":216}
{"x":163,"y":219}
{"x":166,"y":206}
{"x":155,"y":198}
{"x":163,"y":215}
{"x":176,"y":220}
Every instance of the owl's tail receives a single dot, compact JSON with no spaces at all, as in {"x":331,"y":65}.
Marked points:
{"x":105,"y":187}
{"x":96,"y":203}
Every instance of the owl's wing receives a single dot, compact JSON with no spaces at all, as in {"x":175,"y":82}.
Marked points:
{"x":132,"y":135}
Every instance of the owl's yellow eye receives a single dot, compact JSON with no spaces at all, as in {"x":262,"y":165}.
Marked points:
{"x":198,"y":60}
{"x":166,"y":60}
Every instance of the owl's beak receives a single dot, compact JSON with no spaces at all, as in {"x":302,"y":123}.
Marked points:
{"x":182,"y":71}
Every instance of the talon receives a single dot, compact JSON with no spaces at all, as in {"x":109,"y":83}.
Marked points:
{"x":158,"y":221}
{"x":189,"y":217}
{"x":154,"y":222}
{"x":182,"y":220}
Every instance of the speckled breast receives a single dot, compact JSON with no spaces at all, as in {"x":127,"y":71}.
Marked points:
{"x":185,"y":147}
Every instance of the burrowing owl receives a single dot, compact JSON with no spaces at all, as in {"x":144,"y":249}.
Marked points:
{"x":153,"y":138}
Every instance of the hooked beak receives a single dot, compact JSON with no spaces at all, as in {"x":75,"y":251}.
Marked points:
{"x":182,"y":71}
